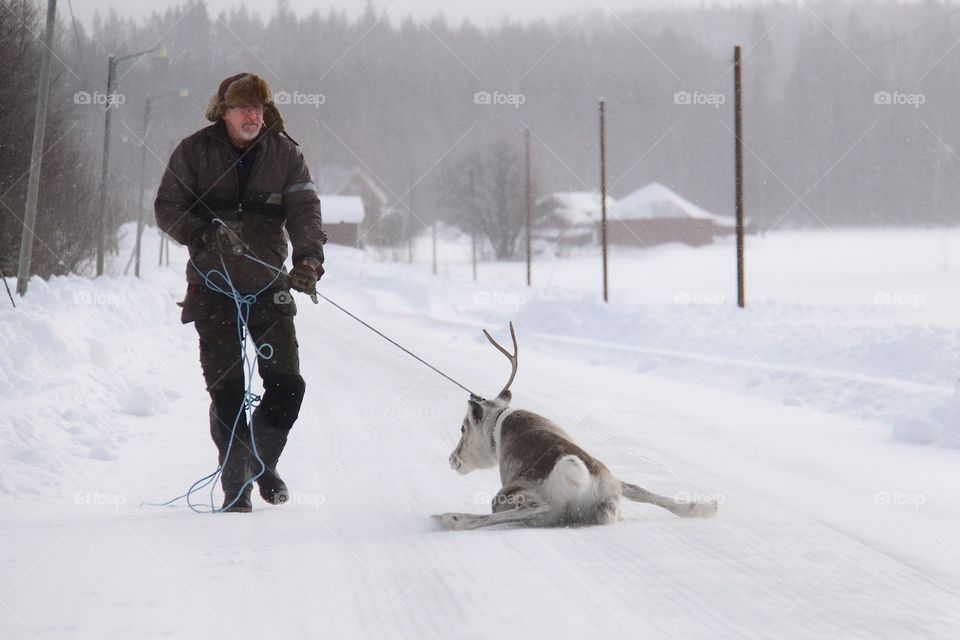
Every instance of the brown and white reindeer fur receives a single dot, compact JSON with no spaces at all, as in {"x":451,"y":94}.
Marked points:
{"x":547,"y":479}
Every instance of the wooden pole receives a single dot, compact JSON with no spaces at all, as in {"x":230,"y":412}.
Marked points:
{"x":738,"y":154}
{"x":140,"y":207}
{"x":36,"y":155}
{"x":408,"y":235}
{"x":104,"y":170}
{"x":434,"y":247}
{"x":473,"y":251}
{"x":603,"y":197}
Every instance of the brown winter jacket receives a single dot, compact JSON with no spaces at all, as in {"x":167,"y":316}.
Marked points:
{"x":201,"y":183}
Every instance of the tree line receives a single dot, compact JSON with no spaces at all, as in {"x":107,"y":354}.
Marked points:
{"x":848,"y":109}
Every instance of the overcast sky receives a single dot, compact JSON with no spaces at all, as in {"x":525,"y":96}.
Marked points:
{"x":483,"y":12}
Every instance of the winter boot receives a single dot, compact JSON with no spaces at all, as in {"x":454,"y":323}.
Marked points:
{"x":235,"y":468}
{"x":233,"y":479}
{"x":270,"y":444}
{"x":272,"y":422}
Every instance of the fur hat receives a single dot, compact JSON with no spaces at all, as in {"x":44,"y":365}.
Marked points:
{"x":245,"y":89}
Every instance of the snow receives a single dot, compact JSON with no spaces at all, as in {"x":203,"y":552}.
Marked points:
{"x":576,"y":207}
{"x":658,"y":201}
{"x":571,"y":218}
{"x":823,"y":417}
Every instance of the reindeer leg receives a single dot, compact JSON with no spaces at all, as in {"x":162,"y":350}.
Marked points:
{"x":676,"y":507}
{"x":513,"y":496}
{"x":608,"y":511}
{"x":528,"y":514}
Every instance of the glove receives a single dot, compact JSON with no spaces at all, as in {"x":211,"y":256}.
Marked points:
{"x":225,"y":238}
{"x":304,"y":275}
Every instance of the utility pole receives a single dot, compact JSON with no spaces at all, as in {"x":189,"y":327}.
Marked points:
{"x":603,"y":196}
{"x":738,"y":157}
{"x":408,"y":234}
{"x":112,"y":63}
{"x":108,"y":109}
{"x":434,"y":236}
{"x":529,"y":212}
{"x":473,"y":252}
{"x":36,"y":155}
{"x":143,"y":162}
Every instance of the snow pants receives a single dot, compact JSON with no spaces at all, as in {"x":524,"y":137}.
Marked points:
{"x":271,"y":323}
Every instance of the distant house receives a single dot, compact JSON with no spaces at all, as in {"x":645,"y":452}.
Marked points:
{"x":656,"y":215}
{"x":569,"y":219}
{"x":352,"y":181}
{"x":342,"y":219}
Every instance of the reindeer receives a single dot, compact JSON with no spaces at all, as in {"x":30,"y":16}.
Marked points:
{"x":547,"y":479}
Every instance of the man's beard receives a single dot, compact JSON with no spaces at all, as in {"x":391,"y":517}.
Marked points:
{"x":248,"y":132}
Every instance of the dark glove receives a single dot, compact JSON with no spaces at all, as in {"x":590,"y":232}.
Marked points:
{"x":304,"y":275}
{"x":225,"y":238}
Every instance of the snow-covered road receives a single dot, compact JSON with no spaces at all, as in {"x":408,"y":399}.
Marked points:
{"x":828,"y":527}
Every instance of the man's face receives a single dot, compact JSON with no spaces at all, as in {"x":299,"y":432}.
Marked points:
{"x":244,"y":123}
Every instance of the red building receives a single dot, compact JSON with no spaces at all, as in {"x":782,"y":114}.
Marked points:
{"x":342,"y":219}
{"x":656,"y":215}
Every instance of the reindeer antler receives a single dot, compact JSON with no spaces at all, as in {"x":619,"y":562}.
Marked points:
{"x":512,"y":357}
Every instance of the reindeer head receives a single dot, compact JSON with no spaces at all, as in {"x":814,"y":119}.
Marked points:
{"x":477,"y":448}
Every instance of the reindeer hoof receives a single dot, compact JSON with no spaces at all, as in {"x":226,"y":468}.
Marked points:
{"x":452,"y":521}
{"x":701,"y":510}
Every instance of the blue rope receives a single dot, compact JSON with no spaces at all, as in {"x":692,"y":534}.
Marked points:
{"x":244,"y":304}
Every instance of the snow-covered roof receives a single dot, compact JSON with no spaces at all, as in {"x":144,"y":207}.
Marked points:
{"x":337,"y":209}
{"x":333,"y":180}
{"x":576,"y":208}
{"x":658,"y":201}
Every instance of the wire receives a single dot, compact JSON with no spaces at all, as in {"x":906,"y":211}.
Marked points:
{"x":385,"y":337}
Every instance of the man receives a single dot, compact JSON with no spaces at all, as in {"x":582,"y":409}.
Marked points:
{"x":232,"y":193}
